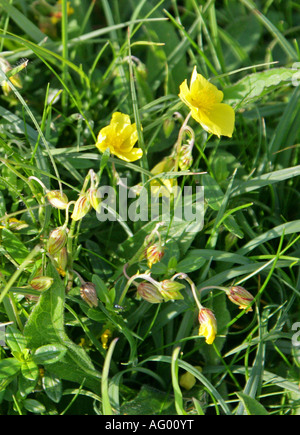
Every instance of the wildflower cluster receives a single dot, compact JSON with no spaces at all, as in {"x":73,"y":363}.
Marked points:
{"x":119,"y":139}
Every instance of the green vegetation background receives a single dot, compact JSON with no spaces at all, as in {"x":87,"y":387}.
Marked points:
{"x":80,"y":71}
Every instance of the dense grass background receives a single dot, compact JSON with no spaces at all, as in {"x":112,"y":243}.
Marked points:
{"x":100,"y":58}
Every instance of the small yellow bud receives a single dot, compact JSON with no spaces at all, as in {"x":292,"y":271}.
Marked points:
{"x":95,"y":200}
{"x":57,"y":199}
{"x":89,"y":295}
{"x":82,"y":207}
{"x":154,"y":254}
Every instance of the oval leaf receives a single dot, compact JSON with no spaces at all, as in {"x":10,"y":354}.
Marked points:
{"x":49,"y":354}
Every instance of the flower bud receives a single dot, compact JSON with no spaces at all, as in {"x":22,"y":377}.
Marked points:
{"x":88,"y":294}
{"x":95,"y":199}
{"x":208,"y":325}
{"x":168,"y":127}
{"x":149,"y":292}
{"x":41,"y":283}
{"x":154,"y":254}
{"x":170,"y":290}
{"x":82,"y":207}
{"x":185,"y":158}
{"x":61,"y":259}
{"x":57,"y":240}
{"x":240,"y":296}
{"x":57,"y":199}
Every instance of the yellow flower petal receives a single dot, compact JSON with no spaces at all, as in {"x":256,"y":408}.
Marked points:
{"x":208,"y":325}
{"x":219,"y":121}
{"x":131,"y":156}
{"x":120,"y":121}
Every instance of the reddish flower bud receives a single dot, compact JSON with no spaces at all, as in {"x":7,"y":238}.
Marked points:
{"x":149,"y":293}
{"x":57,"y":240}
{"x":41,"y":283}
{"x":240,"y":296}
{"x":88,"y":294}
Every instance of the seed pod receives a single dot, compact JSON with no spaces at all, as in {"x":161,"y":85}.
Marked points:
{"x":57,"y":199}
{"x":88,"y":294}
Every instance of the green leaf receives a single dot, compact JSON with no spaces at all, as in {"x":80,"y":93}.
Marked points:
{"x":46,"y":325}
{"x":149,"y":401}
{"x":15,"y":339}
{"x":255,"y":86}
{"x":32,"y":405}
{"x":30,"y":370}
{"x":103,"y":294}
{"x":14,"y":246}
{"x":213,"y":192}
{"x":49,"y":354}
{"x":253,"y":407}
{"x":52,"y":386}
{"x":192,"y":261}
{"x":9,"y":367}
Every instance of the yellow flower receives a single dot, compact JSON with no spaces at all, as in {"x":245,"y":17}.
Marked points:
{"x":208,"y":325}
{"x":120,"y":137}
{"x":204,"y":100}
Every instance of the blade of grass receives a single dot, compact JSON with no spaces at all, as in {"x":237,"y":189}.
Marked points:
{"x":176,"y":388}
{"x":188,"y":367}
{"x":106,"y":406}
{"x":144,"y":161}
{"x":65,"y":51}
{"x":32,"y":117}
